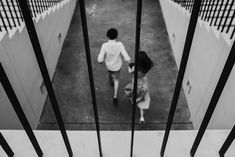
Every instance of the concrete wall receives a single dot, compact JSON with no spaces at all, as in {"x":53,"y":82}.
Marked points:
{"x":208,"y":54}
{"x":19,"y":62}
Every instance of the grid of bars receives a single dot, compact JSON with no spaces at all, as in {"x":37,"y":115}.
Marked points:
{"x":218,"y":13}
{"x":11,"y":15}
{"x":26,"y":13}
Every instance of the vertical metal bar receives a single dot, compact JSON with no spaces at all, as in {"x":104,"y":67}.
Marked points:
{"x":42,"y":65}
{"x":226,"y":18}
{"x":208,"y":8}
{"x":218,"y":14}
{"x":21,"y":16}
{"x":227,"y":142}
{"x":191,"y":5}
{"x":215,"y":97}
{"x":44,"y":4}
{"x":183,"y":64}
{"x":3,"y":22}
{"x":19,"y":111}
{"x":137,"y":47}
{"x":89,"y":65}
{"x":200,"y":11}
{"x":213,"y":16}
{"x":232,"y":33}
{"x":5,"y":12}
{"x":16,"y":15}
{"x":204,"y":9}
{"x":222,"y":17}
{"x":41,"y":5}
{"x":5,"y":146}
{"x":231,"y":20}
{"x":211,"y":9}
{"x":12,"y":17}
{"x":33,"y":7}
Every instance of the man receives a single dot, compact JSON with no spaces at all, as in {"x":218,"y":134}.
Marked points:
{"x":111,"y":52}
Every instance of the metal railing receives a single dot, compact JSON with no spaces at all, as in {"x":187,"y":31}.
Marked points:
{"x":41,"y":62}
{"x":218,"y":13}
{"x":11,"y":15}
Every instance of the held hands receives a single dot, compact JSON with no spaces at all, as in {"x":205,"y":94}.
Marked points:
{"x":131,"y":67}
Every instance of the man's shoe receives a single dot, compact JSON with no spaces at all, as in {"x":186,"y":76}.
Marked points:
{"x":115,"y":101}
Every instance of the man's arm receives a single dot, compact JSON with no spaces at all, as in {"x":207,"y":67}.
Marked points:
{"x":124,"y":53}
{"x":101,"y":55}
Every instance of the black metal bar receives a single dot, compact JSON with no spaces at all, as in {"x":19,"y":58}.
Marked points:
{"x":5,"y":146}
{"x":5,"y":12}
{"x":231,"y":20}
{"x":38,"y":6}
{"x":227,"y":142}
{"x":228,"y":13}
{"x":207,"y":9}
{"x":21,"y":16}
{"x":211,"y":9}
{"x":191,"y":6}
{"x":33,"y":7}
{"x":12,"y":17}
{"x":204,"y":11}
{"x":16,"y":15}
{"x":18,"y":109}
{"x":220,"y":8}
{"x":215,"y":97}
{"x":90,"y":71}
{"x":200,"y":11}
{"x":225,"y":7}
{"x":42,"y":65}
{"x":44,"y":4}
{"x":183,"y":64}
{"x":3,"y":21}
{"x":137,"y":47}
{"x":232,"y":33}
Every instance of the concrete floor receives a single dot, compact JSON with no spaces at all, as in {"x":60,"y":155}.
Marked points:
{"x":71,"y":81}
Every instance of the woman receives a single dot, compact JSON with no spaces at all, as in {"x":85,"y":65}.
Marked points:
{"x":143,"y":96}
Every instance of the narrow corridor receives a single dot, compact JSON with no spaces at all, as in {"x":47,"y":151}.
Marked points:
{"x":71,"y":82}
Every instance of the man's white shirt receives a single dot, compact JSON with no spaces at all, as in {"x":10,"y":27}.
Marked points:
{"x":111,"y":52}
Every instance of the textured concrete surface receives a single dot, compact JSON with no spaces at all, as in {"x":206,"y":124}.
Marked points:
{"x":71,"y":81}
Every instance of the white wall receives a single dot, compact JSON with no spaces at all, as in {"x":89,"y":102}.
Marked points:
{"x":19,"y":61}
{"x":207,"y":58}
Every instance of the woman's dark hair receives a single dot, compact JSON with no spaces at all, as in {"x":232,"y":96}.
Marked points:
{"x":112,"y":33}
{"x":145,"y":63}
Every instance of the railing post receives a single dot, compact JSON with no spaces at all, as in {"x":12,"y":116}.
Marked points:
{"x":228,"y":142}
{"x":19,"y":111}
{"x":5,"y":12}
{"x":222,"y":16}
{"x":137,"y":47}
{"x":215,"y":97}
{"x":5,"y":146}
{"x":42,"y":65}
{"x":90,"y":71}
{"x":3,"y":22}
{"x":183,"y":64}
{"x":226,"y":18}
